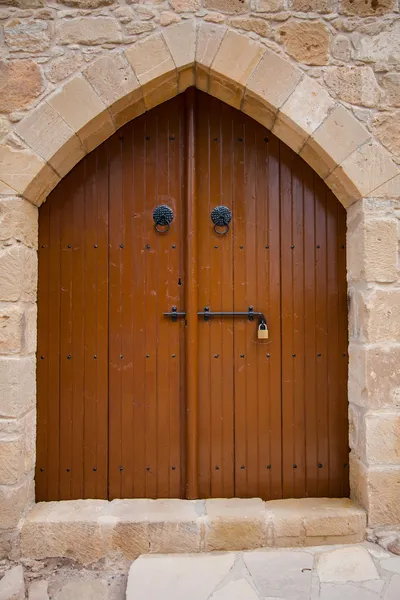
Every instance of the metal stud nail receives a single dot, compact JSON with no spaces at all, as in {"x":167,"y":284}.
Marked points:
{"x":242,"y":467}
{"x":318,"y":246}
{"x":345,"y":465}
{"x":69,"y":357}
{"x":215,"y":139}
{"x":147,"y":468}
{"x":173,"y":356}
{"x":44,"y":246}
{"x":268,"y":466}
{"x":121,"y":137}
{"x":42,"y":358}
{"x":121,"y":245}
{"x":242,"y":356}
{"x":147,"y":137}
{"x":121,"y":356}
{"x":293,"y":355}
{"x":215,"y":247}
{"x":217,"y":468}
{"x":319,"y":466}
{"x":241,"y":247}
{"x":342,"y":246}
{"x":216,"y":355}
{"x":292,"y":246}
{"x":294,"y":466}
{"x":94,"y":469}
{"x":267,"y":247}
{"x":319,"y":354}
{"x":267,"y":355}
{"x":147,"y":246}
{"x":266,"y":139}
{"x":240,"y":139}
{"x":172,"y":138}
{"x":41,"y":470}
{"x":69,"y":246}
{"x":68,"y":470}
{"x":95,"y":246}
{"x":147,"y":355}
{"x":174,"y":246}
{"x":344,"y":354}
{"x":173,"y":468}
{"x":121,"y":468}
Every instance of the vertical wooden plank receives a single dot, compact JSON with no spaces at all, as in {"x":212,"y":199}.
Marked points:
{"x":298,"y":170}
{"x":310,"y":358}
{"x":43,"y":353}
{"x":191,"y":301}
{"x":322,"y":413}
{"x":115,"y":250}
{"x":287,"y":246}
{"x":272,"y":351}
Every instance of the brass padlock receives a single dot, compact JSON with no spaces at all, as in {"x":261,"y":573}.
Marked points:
{"x":262,"y":332}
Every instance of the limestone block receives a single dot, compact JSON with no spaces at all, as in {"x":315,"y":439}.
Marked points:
{"x":209,"y":38}
{"x":63,"y":66}
{"x":386,"y":128}
{"x":38,"y":590}
{"x":15,"y":499}
{"x":383,"y":488}
{"x":27,"y":174}
{"x":372,"y":250}
{"x":288,"y":528}
{"x":181,"y":42}
{"x":356,"y":85}
{"x":337,"y":137}
{"x":343,"y":187}
{"x":18,"y":274}
{"x":20,"y":83}
{"x":391,"y":84}
{"x":234,"y":524}
{"x":341,"y":48}
{"x":321,"y":6}
{"x":168,"y":17}
{"x":162,"y":90}
{"x":380,"y":315}
{"x":374,"y":378}
{"x":384,"y":47}
{"x":11,"y":328}
{"x":27,"y":35}
{"x":91,"y":589}
{"x":151,"y":59}
{"x":302,"y":113}
{"x":12,"y":585}
{"x":367,"y":8}
{"x":259,"y":26}
{"x":12,"y":445}
{"x":268,"y":5}
{"x":30,"y":330}
{"x":17,"y":385}
{"x":185,"y":5}
{"x":239,"y":589}
{"x":81,"y":108}
{"x":272,"y":68}
{"x":50,"y":137}
{"x":117,"y":86}
{"x":18,"y":221}
{"x":306,"y":41}
{"x":235,"y":61}
{"x":369,"y":167}
{"x":258,"y":110}
{"x":137,"y":27}
{"x":382,"y":438}
{"x":228,"y":6}
{"x":358,"y":483}
{"x":333,"y":518}
{"x":88,"y":30}
{"x":71,"y":529}
{"x":390,"y":189}
{"x":130,"y":539}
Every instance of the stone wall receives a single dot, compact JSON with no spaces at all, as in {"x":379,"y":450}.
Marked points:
{"x":324,"y":75}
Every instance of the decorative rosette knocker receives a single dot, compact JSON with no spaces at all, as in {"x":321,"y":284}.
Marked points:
{"x":162,"y":216}
{"x":221,"y":216}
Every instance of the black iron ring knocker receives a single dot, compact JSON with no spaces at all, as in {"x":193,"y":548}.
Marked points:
{"x":162,"y":216}
{"x":221,"y":216}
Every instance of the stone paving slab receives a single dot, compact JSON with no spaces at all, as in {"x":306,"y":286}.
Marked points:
{"x":351,"y":572}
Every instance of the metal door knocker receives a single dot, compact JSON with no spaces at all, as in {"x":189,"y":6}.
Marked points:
{"x":162,"y":216}
{"x":221,"y":216}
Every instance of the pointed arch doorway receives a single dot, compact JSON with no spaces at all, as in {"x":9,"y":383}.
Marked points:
{"x":142,"y":390}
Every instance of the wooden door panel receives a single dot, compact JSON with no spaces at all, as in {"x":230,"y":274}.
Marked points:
{"x":113,"y":392}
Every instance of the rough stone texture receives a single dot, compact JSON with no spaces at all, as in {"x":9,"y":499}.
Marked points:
{"x":366,"y":8}
{"x":306,"y":42}
{"x":228,"y":6}
{"x":12,"y":586}
{"x":346,"y":564}
{"x":38,"y":590}
{"x":387,"y":131}
{"x":356,"y":85}
{"x":259,"y":26}
{"x":88,"y":31}
{"x":391,"y":84}
{"x":322,"y":6}
{"x":287,"y":572}
{"x":27,"y":35}
{"x":20,"y":83}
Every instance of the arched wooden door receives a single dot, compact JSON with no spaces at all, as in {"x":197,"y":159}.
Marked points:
{"x":134,"y":403}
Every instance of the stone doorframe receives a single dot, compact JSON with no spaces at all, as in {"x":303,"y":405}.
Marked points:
{"x":116,"y":88}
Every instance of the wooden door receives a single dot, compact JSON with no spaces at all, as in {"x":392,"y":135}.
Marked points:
{"x":132,"y":403}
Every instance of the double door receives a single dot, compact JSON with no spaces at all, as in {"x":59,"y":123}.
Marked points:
{"x":144,"y":388}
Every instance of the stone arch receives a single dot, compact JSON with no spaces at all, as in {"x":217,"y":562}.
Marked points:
{"x":229,"y":65}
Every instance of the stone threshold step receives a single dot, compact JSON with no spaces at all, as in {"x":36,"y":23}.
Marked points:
{"x":90,"y":530}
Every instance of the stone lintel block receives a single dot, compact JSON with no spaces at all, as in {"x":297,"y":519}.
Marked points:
{"x":17,"y":385}
{"x":18,"y":274}
{"x":234,"y":63}
{"x":79,"y":106}
{"x":374,"y":380}
{"x":209,"y":38}
{"x":234,"y":524}
{"x":337,"y":137}
{"x":369,"y":167}
{"x":18,"y":221}
{"x":273,"y":67}
{"x":71,"y":529}
{"x":117,"y":86}
{"x":258,"y":110}
{"x":382,"y":438}
{"x":15,"y":500}
{"x":27,"y":174}
{"x":343,"y":187}
{"x":151,"y":59}
{"x":305,"y":109}
{"x":161,"y":90}
{"x":181,"y":42}
{"x":6,"y":190}
{"x":50,"y":137}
